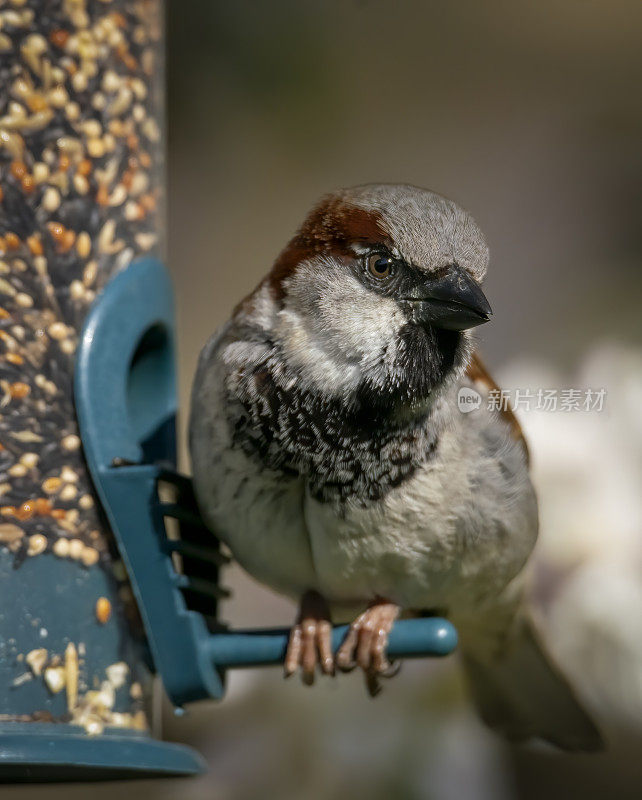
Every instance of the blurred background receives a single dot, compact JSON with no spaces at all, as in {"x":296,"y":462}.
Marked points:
{"x":528,"y":115}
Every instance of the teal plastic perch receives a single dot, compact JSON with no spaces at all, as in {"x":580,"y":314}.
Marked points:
{"x":409,"y":638}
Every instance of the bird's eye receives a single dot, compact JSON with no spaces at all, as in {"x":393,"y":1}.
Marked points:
{"x":380,"y":266}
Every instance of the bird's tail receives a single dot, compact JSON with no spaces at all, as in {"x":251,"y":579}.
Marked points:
{"x":520,"y":692}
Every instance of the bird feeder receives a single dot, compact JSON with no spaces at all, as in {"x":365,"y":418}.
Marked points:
{"x":108,"y":577}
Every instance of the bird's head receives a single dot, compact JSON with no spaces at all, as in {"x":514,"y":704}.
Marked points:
{"x":376,"y":293}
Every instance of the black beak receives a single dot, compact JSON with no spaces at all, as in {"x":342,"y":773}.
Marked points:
{"x":455,"y":302}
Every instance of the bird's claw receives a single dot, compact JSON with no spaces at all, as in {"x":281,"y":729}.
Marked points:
{"x":310,"y":640}
{"x":366,"y":642}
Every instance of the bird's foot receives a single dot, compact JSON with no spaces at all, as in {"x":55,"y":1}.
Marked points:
{"x":310,"y":639}
{"x":366,"y":642}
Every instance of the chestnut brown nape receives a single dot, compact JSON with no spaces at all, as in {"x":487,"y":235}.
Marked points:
{"x":331,"y":227}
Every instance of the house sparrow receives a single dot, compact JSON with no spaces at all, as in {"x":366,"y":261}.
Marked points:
{"x":330,"y":455}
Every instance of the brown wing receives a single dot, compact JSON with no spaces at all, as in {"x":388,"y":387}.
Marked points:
{"x":478,"y":373}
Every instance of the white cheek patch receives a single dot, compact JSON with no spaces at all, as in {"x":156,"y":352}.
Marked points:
{"x":332,"y":328}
